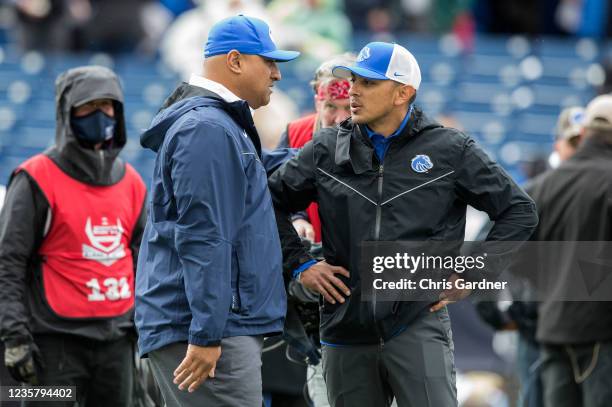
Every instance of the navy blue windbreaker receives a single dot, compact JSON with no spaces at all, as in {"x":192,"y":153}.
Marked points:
{"x":210,"y":259}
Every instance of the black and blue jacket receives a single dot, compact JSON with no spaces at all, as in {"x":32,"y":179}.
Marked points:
{"x":420,"y":193}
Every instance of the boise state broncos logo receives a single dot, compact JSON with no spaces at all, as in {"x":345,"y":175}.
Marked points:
{"x":421,"y":163}
{"x":364,"y":54}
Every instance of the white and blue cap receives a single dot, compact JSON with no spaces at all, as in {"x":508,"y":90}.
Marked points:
{"x":247,"y":35}
{"x":382,"y":61}
{"x":570,"y":123}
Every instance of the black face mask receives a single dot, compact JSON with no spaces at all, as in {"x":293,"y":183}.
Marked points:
{"x":94,"y":128}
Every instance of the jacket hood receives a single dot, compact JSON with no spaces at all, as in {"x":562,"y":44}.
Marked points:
{"x":74,"y":88}
{"x":358,"y":150}
{"x":187,"y":97}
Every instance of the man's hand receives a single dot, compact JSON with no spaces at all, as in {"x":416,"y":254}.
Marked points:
{"x":304,"y":229}
{"x":20,"y":362}
{"x":198,"y":365}
{"x":449,"y":296}
{"x":321,"y":278}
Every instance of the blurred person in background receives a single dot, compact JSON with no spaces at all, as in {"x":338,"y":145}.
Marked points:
{"x":417,"y":14}
{"x":580,"y":18}
{"x":575,"y":203}
{"x":88,"y":25}
{"x":447,"y":14}
{"x":357,"y":10}
{"x":584,"y":18}
{"x":374,"y":351}
{"x":209,"y":284}
{"x":331,"y":107}
{"x":69,"y":235}
{"x":385,"y":19}
{"x":569,"y":129}
{"x":331,"y":101}
{"x":523,"y":315}
{"x":512,"y":17}
{"x":380,"y":22}
{"x":114,"y":26}
{"x":319,"y":28}
{"x":43,"y":24}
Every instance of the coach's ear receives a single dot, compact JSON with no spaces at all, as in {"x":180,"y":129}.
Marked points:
{"x":234,"y":61}
{"x":403,"y":94}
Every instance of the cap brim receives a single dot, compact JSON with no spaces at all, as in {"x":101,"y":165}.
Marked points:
{"x":346,"y":71}
{"x":280,"y":55}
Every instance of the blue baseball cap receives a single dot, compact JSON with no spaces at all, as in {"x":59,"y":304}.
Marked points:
{"x":384,"y":61}
{"x":248,"y":35}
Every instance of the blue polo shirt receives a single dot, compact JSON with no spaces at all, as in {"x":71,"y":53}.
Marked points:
{"x":381,"y":143}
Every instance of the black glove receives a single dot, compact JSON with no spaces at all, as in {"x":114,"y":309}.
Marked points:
{"x":22,"y":362}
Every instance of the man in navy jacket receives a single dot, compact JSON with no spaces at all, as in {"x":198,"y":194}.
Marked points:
{"x":209,"y":281}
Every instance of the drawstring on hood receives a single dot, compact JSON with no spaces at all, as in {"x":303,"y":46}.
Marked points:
{"x":76,"y":87}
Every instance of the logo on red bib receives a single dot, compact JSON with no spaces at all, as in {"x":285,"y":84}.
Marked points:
{"x":105,"y":245}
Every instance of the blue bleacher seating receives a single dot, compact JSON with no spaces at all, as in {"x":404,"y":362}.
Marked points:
{"x":485,"y":89}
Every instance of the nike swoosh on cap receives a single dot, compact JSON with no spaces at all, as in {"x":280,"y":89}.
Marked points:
{"x":398,"y":74}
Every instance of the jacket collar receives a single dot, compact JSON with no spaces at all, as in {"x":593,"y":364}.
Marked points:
{"x":215,"y":87}
{"x":354,"y":148}
{"x":238,"y":110}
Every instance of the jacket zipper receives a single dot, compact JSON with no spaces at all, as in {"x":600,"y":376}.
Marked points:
{"x":381,"y":170}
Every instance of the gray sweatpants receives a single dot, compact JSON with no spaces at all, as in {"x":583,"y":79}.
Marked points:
{"x":237,"y":380}
{"x":317,"y":389}
{"x":417,"y":367}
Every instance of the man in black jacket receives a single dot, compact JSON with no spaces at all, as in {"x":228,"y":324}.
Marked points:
{"x":523,"y":315}
{"x":575,"y":203}
{"x":69,"y":235}
{"x":388,"y":174}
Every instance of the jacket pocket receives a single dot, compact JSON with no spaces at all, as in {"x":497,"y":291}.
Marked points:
{"x":236,"y":306}
{"x":445,"y":325}
{"x":252,"y":285}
